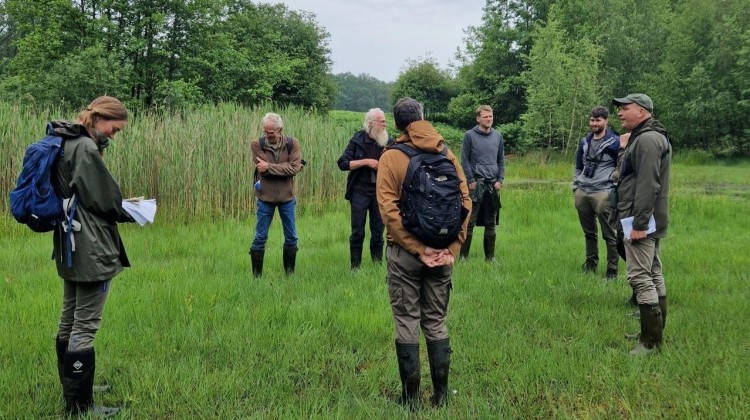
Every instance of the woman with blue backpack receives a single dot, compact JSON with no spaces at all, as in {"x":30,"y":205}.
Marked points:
{"x":88,"y":250}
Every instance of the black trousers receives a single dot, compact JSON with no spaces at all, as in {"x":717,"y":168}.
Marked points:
{"x":362,"y":204}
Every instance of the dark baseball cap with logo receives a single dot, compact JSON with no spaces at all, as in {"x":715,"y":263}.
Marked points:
{"x":636,"y":98}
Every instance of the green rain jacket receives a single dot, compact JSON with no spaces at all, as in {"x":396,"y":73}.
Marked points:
{"x":99,"y":253}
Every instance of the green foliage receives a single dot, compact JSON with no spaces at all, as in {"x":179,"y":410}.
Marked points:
{"x":361,"y":92}
{"x":164,"y":53}
{"x":424,"y":81}
{"x":560,"y":87}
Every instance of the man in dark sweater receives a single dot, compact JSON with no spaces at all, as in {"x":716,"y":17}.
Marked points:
{"x":483,"y":161}
{"x":360,"y":158}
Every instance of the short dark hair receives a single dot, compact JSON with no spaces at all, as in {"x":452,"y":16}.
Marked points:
{"x":599,"y":112}
{"x":406,"y":111}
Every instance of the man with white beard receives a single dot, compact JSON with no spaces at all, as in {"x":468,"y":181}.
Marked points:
{"x":360,"y":158}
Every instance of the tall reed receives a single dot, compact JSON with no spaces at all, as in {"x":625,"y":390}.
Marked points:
{"x":196,"y":162}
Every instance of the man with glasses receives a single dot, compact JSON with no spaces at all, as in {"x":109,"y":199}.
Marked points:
{"x":360,"y":158}
{"x":277,"y":159}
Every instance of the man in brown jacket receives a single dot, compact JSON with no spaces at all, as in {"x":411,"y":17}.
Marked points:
{"x":643,"y":195}
{"x":419,"y":276}
{"x":278,"y":160}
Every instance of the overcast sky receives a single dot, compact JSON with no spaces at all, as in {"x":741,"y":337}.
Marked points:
{"x":378,"y":37}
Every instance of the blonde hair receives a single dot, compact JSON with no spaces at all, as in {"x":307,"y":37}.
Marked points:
{"x":483,"y":108}
{"x":102,"y":108}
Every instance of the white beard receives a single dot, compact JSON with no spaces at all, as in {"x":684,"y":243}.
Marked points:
{"x":379,"y":135}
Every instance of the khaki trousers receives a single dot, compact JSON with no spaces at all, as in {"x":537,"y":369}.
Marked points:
{"x":593,"y":206}
{"x":83,"y":305}
{"x":644,"y":270}
{"x":419,"y":296}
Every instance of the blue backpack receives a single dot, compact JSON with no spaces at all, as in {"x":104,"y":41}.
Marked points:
{"x":34,"y":201}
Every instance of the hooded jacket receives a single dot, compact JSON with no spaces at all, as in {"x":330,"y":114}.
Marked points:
{"x":644,"y":182}
{"x":99,"y":253}
{"x":391,"y":173}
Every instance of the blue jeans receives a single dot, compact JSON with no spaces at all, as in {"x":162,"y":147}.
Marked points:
{"x":265,"y":215}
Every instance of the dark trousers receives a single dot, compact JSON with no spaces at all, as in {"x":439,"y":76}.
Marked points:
{"x":362,"y":204}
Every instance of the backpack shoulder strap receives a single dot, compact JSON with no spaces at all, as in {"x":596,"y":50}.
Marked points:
{"x":409,"y":151}
{"x":262,"y":142}
{"x":289,"y":145}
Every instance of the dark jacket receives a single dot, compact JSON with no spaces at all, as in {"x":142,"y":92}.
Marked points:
{"x":99,"y":253}
{"x":644,"y":183}
{"x":356,"y":150}
{"x":276,"y":184}
{"x":600,"y":166}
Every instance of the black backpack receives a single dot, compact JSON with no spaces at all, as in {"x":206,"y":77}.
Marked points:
{"x":430,"y":206}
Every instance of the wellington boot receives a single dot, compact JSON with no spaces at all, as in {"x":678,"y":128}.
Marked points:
{"x":439,"y":353}
{"x":355,"y":257}
{"x":60,"y":347}
{"x":290,"y":259}
{"x":408,"y":369}
{"x":256,"y":258}
{"x":465,"y":247}
{"x":663,"y":307}
{"x":489,"y":248}
{"x":652,"y":327}
{"x":78,"y":382}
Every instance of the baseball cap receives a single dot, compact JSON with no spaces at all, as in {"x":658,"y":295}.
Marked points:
{"x":636,"y":98}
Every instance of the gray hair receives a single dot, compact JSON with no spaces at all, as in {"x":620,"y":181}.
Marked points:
{"x":272,"y":118}
{"x":406,"y":111}
{"x":370,"y":115}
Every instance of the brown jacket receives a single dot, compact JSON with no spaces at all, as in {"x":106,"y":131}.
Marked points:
{"x":276,"y":184}
{"x":391,"y":174}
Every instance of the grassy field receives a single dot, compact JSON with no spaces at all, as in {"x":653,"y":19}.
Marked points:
{"x":188,"y":333}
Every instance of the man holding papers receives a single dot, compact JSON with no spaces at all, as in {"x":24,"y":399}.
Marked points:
{"x":643,"y":194}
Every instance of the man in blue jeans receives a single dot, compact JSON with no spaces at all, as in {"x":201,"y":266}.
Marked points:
{"x":278,"y":160}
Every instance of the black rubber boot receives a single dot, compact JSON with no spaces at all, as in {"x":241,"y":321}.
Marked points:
{"x":377,"y":255}
{"x":355,"y":256}
{"x":78,"y":384}
{"x":408,"y":369}
{"x":652,"y":328}
{"x":489,"y":247}
{"x":256,"y":258}
{"x":290,"y":259}
{"x":439,"y":353}
{"x":663,"y":307}
{"x":60,"y":347}
{"x":466,"y":247}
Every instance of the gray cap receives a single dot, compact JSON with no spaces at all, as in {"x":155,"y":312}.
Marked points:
{"x":636,"y":98}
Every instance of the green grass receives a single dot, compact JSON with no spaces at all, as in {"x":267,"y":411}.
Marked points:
{"x":187,"y":333}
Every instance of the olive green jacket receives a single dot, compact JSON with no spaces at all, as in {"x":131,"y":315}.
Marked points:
{"x":99,"y":253}
{"x":644,"y":182}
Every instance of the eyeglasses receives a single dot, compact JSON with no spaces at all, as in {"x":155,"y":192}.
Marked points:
{"x":269,"y":133}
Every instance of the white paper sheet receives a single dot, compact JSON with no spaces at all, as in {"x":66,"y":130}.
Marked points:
{"x":627,"y":226}
{"x":143,"y":211}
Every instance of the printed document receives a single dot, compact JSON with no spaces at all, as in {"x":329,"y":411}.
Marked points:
{"x":627,"y":226}
{"x":142,"y":211}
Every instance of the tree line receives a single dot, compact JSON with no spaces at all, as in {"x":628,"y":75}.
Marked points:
{"x":541,"y":64}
